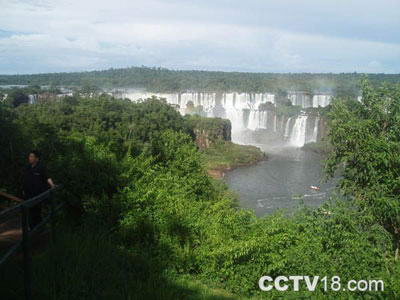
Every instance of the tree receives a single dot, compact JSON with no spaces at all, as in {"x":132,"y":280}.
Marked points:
{"x":366,"y":146}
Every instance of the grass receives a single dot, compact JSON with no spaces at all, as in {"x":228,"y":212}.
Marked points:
{"x":227,"y":155}
{"x":321,"y":147}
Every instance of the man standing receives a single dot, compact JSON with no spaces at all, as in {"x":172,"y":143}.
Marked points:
{"x":36,"y":182}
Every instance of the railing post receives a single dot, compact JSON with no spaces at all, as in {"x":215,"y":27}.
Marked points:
{"x":53,"y":240}
{"x":52,"y":218}
{"x":26,"y":246}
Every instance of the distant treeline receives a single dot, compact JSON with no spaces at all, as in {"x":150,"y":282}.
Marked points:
{"x":164,"y":80}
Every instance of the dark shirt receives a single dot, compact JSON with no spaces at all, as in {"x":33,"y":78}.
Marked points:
{"x":35,"y":180}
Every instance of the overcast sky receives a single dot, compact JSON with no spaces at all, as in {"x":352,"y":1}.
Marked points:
{"x":229,"y":35}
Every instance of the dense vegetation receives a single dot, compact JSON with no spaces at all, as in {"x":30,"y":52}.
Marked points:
{"x":365,"y":138}
{"x":145,"y":220}
{"x":164,"y":80}
{"x":210,"y":130}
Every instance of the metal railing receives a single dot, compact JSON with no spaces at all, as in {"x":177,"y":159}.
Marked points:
{"x":27,"y":233}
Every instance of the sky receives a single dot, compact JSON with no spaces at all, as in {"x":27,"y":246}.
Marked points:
{"x":39,"y":36}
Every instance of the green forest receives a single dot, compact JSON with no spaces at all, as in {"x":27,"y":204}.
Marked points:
{"x":158,"y":79}
{"x":145,"y":221}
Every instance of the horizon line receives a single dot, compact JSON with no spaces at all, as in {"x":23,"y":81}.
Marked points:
{"x":196,"y":70}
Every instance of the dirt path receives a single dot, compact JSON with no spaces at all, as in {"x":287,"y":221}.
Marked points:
{"x":10,"y":232}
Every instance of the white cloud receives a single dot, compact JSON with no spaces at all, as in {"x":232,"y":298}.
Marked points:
{"x":64,"y":35}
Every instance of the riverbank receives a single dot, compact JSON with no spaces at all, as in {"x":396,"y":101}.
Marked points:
{"x":224,"y":156}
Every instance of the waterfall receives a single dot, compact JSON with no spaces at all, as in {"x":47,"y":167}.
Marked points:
{"x":236,"y":117}
{"x":287,"y":129}
{"x":263,"y":120}
{"x":315,"y":131}
{"x":257,"y":120}
{"x":302,"y":99}
{"x":253,"y":120}
{"x":321,"y":100}
{"x":32,"y":99}
{"x":298,"y":134}
{"x":245,"y":112}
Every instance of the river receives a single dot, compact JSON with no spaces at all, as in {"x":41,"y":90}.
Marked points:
{"x":281,"y":182}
